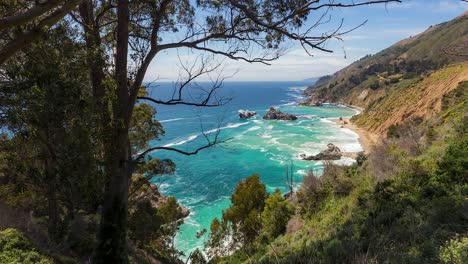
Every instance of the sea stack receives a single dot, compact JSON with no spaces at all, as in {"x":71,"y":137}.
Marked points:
{"x":274,"y":114}
{"x":246,"y":114}
{"x":331,"y":153}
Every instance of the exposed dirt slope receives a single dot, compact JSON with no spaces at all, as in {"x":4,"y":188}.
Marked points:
{"x":421,"y":99}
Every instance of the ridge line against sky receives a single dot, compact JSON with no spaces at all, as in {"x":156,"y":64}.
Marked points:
{"x":387,"y":24}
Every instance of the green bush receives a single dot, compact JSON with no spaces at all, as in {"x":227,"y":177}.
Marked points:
{"x":276,"y":215}
{"x":455,"y":251}
{"x":15,"y":248}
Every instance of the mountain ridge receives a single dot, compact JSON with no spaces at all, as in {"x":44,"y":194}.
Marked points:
{"x":379,"y":82}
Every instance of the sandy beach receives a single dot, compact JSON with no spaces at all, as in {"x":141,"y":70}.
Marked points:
{"x":366,"y":138}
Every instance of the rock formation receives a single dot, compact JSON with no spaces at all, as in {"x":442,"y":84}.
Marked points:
{"x":246,"y":113}
{"x":142,"y":189}
{"x":274,"y":114}
{"x":331,"y":153}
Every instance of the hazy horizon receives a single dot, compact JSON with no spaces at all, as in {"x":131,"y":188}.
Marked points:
{"x":386,"y":25}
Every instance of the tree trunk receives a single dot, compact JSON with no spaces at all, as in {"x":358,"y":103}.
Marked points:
{"x":53,"y":222}
{"x":112,"y":237}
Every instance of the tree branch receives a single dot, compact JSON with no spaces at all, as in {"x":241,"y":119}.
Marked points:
{"x":29,"y":15}
{"x":26,"y":38}
{"x":210,"y":144}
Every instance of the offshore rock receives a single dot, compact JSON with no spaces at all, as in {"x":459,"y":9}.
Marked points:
{"x":331,"y":153}
{"x":246,"y":113}
{"x":274,"y":114}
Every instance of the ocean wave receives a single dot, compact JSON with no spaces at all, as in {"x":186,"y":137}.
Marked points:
{"x":301,"y":172}
{"x":172,"y":120}
{"x":308,"y":116}
{"x":264,"y":135}
{"x":327,"y":120}
{"x":251,"y":129}
{"x":298,"y":89}
{"x":229,"y":125}
{"x":286,"y":104}
{"x":190,"y":138}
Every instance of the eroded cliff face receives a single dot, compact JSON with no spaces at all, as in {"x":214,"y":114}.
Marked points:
{"x":421,"y":99}
{"x":407,"y":80}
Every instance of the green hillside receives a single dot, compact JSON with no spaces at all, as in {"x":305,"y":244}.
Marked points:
{"x":373,"y":80}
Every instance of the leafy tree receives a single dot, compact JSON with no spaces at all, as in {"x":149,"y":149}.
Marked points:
{"x":241,"y":222}
{"x":144,"y":222}
{"x":276,"y":215}
{"x":248,"y":201}
{"x":51,"y":148}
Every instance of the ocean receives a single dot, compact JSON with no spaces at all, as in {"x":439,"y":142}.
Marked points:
{"x":204,"y":182}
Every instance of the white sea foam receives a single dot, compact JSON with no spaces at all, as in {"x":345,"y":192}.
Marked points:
{"x":264,"y":135}
{"x":301,"y":172}
{"x":251,"y":129}
{"x":172,"y":120}
{"x":344,"y":161}
{"x":309,"y":116}
{"x":190,"y":138}
{"x":229,"y":125}
{"x":286,"y":104}
{"x":326,"y":120}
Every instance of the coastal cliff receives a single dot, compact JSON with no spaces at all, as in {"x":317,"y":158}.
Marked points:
{"x":405,"y":81}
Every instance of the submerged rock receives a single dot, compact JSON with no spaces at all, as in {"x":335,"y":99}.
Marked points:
{"x":246,"y":113}
{"x":274,"y":114}
{"x":331,"y":153}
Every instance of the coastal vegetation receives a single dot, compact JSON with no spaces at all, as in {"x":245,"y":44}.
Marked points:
{"x":76,"y":118}
{"x":78,"y":131}
{"x":404,"y":202}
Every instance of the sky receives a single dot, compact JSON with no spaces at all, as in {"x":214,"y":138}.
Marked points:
{"x":386,"y":25}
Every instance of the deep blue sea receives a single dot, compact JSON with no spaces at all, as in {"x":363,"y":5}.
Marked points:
{"x":204,"y":182}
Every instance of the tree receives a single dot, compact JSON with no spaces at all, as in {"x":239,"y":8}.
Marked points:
{"x":51,"y":150}
{"x":241,"y":222}
{"x":276,"y":214}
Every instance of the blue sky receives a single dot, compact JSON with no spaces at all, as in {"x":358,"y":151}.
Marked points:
{"x":387,"y":24}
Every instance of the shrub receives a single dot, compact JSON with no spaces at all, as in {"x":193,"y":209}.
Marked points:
{"x":455,"y":251}
{"x":15,"y":248}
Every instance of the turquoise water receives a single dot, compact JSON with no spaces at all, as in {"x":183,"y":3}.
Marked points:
{"x":204,"y":182}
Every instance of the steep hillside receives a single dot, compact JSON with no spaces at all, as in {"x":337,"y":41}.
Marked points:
{"x":406,"y":80}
